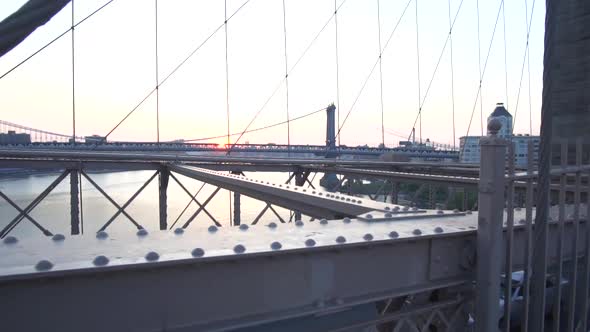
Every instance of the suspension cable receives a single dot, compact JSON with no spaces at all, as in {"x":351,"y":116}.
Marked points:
{"x":526,"y":58}
{"x":226,"y":73}
{"x":452,"y":73}
{"x":157,"y":77}
{"x":442,"y":52}
{"x":73,"y":79}
{"x":288,"y":73}
{"x":380,"y":73}
{"x":257,"y":129}
{"x":337,"y":67}
{"x":418,"y":67}
{"x":286,"y":77}
{"x":479,"y":62}
{"x":505,"y":53}
{"x":55,"y":39}
{"x":477,"y":97}
{"x":194,"y":51}
{"x":372,"y":69}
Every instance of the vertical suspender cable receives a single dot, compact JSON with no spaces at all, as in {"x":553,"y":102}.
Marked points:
{"x":480,"y":78}
{"x":452,"y":72}
{"x":227,"y":99}
{"x":418,"y":66}
{"x":380,"y":74}
{"x":73,"y":81}
{"x":286,"y":78}
{"x":528,"y":32}
{"x":226,"y":74}
{"x":505,"y":52}
{"x":337,"y":67}
{"x":157,"y":79}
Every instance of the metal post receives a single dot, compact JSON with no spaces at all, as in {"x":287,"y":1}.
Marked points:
{"x":394,"y":192}
{"x":465,"y":199}
{"x":300,"y":177}
{"x":489,"y":232}
{"x":163,"y":178}
{"x":74,"y":203}
{"x":237,"y":213}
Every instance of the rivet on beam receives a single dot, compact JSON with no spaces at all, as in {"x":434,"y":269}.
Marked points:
{"x":417,"y":232}
{"x":10,"y":240}
{"x":58,"y":237}
{"x":368,"y":237}
{"x":340,"y":239}
{"x":152,"y":256}
{"x":324,"y":221}
{"x":44,"y":265}
{"x":438,"y":230}
{"x":276,"y":245}
{"x":239,"y":249}
{"x":272,"y":225}
{"x":309,"y":242}
{"x":179,"y":231}
{"x":100,"y":260}
{"x":393,"y":235}
{"x":212,"y":229}
{"x":346,"y":220}
{"x":142,"y":232}
{"x":198,"y":252}
{"x":243,"y":227}
{"x":102,"y":235}
{"x":299,"y":223}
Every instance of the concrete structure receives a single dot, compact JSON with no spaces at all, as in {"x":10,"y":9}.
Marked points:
{"x":13,"y":138}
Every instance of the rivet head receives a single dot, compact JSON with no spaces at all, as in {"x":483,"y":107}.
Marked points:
{"x":359,"y":201}
{"x":406,"y":208}
{"x":438,"y":230}
{"x":440,"y":212}
{"x":324,"y":221}
{"x":44,"y":265}
{"x":309,"y":242}
{"x":387,"y":208}
{"x":142,"y":232}
{"x":276,"y":245}
{"x":102,"y":235}
{"x":198,"y":252}
{"x":243,"y":227}
{"x":10,"y":240}
{"x":368,"y":237}
{"x":369,"y":216}
{"x":396,"y":208}
{"x":346,"y":220}
{"x":212,"y":229}
{"x":58,"y":237}
{"x":456,"y":211}
{"x":388,"y":215}
{"x":340,"y":239}
{"x":299,"y":223}
{"x":417,"y":232}
{"x":272,"y":225}
{"x":152,"y":256}
{"x":179,"y":231}
{"x":393,"y":235}
{"x":100,"y":260}
{"x":239,"y":249}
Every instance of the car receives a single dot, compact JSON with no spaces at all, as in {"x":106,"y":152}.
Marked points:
{"x":517,"y":297}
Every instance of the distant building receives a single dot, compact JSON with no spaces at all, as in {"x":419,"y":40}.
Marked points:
{"x":470,"y":151}
{"x":94,"y":139}
{"x":13,"y":138}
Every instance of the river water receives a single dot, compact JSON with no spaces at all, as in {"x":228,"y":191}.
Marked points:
{"x":54,"y":211}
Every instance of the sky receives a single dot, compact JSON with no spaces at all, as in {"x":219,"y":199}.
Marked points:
{"x":115,"y":68}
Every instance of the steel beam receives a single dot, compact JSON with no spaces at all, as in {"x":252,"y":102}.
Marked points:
{"x":74,"y":202}
{"x":163,"y":179}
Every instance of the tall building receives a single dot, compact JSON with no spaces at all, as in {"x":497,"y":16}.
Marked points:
{"x":470,"y":151}
{"x":501,"y":114}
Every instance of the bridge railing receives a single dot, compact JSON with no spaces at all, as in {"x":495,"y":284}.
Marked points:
{"x":551,"y":287}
